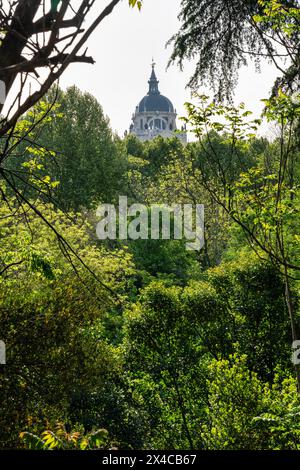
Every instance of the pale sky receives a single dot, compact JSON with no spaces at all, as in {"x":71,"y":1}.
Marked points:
{"x":123,"y":47}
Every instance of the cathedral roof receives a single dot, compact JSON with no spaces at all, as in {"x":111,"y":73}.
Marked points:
{"x":154,"y":101}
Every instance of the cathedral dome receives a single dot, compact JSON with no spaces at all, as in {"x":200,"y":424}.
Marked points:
{"x":155,"y":115}
{"x":154,"y":101}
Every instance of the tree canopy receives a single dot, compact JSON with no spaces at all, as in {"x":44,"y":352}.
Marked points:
{"x":222,"y":36}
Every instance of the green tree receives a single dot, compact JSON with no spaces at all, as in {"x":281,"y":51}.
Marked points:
{"x":88,"y":164}
{"x":225,"y":35}
{"x":264,"y":201}
{"x":52,"y":320}
{"x":246,"y":413}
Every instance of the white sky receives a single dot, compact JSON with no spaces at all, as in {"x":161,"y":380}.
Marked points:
{"x":123,"y":47}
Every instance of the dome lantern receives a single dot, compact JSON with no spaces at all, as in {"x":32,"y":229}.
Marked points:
{"x":153,"y":83}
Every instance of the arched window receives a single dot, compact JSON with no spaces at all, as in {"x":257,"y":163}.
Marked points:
{"x":157,"y":124}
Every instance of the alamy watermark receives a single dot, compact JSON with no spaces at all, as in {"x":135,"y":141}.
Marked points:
{"x":2,"y":92}
{"x":2,"y":353}
{"x":154,"y":222}
{"x":296,"y":352}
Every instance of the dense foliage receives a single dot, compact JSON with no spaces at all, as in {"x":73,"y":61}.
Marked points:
{"x":144,"y":344}
{"x":192,"y":349}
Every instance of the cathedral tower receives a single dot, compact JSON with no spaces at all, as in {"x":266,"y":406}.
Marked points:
{"x":155,"y":115}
